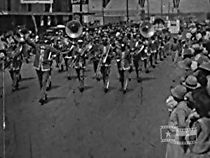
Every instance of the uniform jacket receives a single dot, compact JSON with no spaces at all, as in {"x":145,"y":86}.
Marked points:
{"x":43,"y":55}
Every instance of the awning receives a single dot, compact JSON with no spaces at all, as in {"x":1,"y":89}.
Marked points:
{"x":45,"y":13}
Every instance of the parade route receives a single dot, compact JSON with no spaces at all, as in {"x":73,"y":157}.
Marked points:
{"x":91,"y":124}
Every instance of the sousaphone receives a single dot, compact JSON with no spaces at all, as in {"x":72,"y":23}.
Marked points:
{"x":147,"y":30}
{"x":74,"y":29}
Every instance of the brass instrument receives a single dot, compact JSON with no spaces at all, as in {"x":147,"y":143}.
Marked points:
{"x":106,"y":56}
{"x":147,"y":30}
{"x":74,"y":29}
{"x":102,"y":61}
{"x":75,"y":60}
{"x":122,"y":61}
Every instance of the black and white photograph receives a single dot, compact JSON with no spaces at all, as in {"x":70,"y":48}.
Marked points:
{"x":105,"y":78}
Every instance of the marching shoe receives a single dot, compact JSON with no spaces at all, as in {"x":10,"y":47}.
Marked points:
{"x":13,"y":89}
{"x":124,"y":91}
{"x":146,"y":71}
{"x":138,"y":80}
{"x":42,"y":101}
{"x":81,"y":89}
{"x":106,"y":90}
{"x":69,"y":77}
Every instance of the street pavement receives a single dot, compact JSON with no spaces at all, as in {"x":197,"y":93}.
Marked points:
{"x":91,"y":124}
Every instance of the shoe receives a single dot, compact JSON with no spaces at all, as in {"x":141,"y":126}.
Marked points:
{"x":42,"y":101}
{"x":138,"y":80}
{"x":153,"y":66}
{"x":147,"y":71}
{"x":69,"y":77}
{"x":81,"y":89}
{"x":13,"y":89}
{"x":106,"y":90}
{"x":124,"y":91}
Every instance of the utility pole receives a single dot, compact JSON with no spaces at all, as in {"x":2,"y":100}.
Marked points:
{"x":103,"y":18}
{"x":161,"y":9}
{"x":148,"y":8}
{"x":169,"y":7}
{"x":127,"y":11}
{"x":80,"y":7}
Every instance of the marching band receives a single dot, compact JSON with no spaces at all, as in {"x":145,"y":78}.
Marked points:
{"x":129,"y":46}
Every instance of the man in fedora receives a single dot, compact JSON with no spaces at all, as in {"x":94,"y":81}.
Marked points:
{"x":191,"y":83}
{"x":178,"y":119}
{"x":202,"y":101}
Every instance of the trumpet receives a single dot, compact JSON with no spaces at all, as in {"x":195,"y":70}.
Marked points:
{"x":101,"y":62}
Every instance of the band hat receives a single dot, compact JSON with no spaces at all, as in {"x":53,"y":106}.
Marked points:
{"x":205,"y":66}
{"x":1,"y":55}
{"x":198,"y":36}
{"x":179,"y":92}
{"x":185,"y":64}
{"x":188,"y":35}
{"x":191,"y":82}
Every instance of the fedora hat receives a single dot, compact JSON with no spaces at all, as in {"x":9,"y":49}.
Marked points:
{"x":179,"y":92}
{"x":191,"y":82}
{"x":201,"y":59}
{"x":205,"y":66}
{"x":185,"y":64}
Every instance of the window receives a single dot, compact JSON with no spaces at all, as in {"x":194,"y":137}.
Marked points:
{"x":47,"y":7}
{"x":8,"y":5}
{"x":29,"y":7}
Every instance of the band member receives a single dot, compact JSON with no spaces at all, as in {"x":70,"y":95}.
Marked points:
{"x":162,"y":50}
{"x":59,"y":58}
{"x":79,"y":64}
{"x":96,"y":55}
{"x":69,"y":60}
{"x":136,"y":57}
{"x":42,"y":64}
{"x":105,"y":63}
{"x":117,"y":52}
{"x":125,"y":61}
{"x":144,"y":55}
{"x":14,"y":64}
{"x":153,"y":51}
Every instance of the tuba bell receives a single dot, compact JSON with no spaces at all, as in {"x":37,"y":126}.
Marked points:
{"x":74,"y":29}
{"x":147,"y":30}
